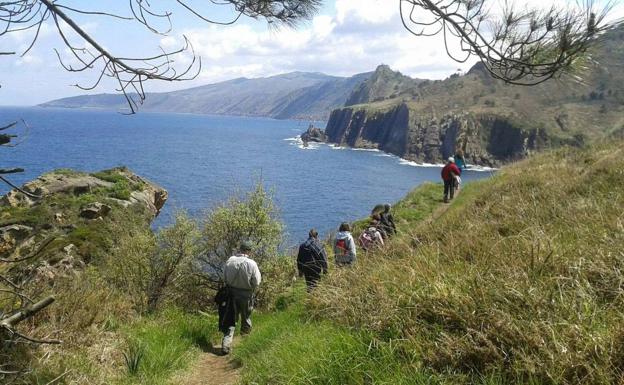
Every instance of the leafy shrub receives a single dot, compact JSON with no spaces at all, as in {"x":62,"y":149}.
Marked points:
{"x":147,"y":266}
{"x":252,"y":217}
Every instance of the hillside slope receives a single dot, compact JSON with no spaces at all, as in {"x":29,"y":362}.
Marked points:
{"x":519,"y":281}
{"x":293,"y":95}
{"x":492,"y":122}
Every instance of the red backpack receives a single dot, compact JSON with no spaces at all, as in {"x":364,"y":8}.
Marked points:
{"x":343,"y":245}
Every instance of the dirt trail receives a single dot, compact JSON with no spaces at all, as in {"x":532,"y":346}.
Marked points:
{"x":439,"y":211}
{"x":211,"y":368}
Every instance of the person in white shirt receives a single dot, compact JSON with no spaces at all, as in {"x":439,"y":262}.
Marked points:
{"x":242,"y":277}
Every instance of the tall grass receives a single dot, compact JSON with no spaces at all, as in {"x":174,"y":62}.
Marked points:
{"x":168,"y":343}
{"x":288,"y":348}
{"x":520,"y":280}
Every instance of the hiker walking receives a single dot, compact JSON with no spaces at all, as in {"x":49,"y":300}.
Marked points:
{"x":344,"y":247}
{"x":312,"y":260}
{"x":449,"y":172}
{"x":386,"y":221}
{"x":242,"y":277}
{"x":371,"y":237}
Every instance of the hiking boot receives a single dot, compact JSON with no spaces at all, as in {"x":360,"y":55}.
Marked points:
{"x":446,"y":200}
{"x":225,"y":350}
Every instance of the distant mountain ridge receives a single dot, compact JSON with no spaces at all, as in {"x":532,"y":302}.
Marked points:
{"x":295,"y":95}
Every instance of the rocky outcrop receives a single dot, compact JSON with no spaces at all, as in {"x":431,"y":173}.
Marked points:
{"x":68,"y":218}
{"x":314,"y":134}
{"x":487,"y":140}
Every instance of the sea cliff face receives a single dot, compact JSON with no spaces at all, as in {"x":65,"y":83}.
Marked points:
{"x":486,"y":139}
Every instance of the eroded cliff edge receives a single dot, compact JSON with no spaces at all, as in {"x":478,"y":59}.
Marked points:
{"x":69,"y":219}
{"x":486,"y":139}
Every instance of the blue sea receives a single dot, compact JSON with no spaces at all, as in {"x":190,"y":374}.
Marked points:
{"x":202,"y":160}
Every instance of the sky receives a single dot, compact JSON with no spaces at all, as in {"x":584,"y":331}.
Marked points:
{"x":345,"y":38}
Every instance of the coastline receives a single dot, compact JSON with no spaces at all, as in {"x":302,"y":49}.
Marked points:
{"x":296,"y":140}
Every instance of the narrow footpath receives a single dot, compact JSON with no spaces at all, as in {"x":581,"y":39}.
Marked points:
{"x":211,"y":368}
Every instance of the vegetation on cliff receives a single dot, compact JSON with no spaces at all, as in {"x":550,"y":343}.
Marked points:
{"x":493,"y":122}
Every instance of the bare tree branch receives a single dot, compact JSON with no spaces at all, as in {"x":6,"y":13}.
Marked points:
{"x":130,"y":74}
{"x":520,"y":46}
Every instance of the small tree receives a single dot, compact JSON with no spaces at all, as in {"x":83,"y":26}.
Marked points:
{"x":253,"y":217}
{"x":148,"y":266}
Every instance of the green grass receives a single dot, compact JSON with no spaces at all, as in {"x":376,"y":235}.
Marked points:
{"x":122,"y":186}
{"x":169,"y":342}
{"x":418,"y":205}
{"x":518,"y":281}
{"x":286,"y":347}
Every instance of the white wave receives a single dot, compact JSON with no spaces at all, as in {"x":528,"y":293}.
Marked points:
{"x":416,"y":164}
{"x":310,"y":146}
{"x":367,"y":149}
{"x":297,"y":141}
{"x":337,"y":147}
{"x":481,"y":168}
{"x":440,"y":165}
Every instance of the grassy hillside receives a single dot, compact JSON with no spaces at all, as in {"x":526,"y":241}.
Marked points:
{"x":520,"y":279}
{"x":517,"y":281}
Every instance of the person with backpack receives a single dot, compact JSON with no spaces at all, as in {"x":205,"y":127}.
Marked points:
{"x":242,"y":277}
{"x":371,"y":237}
{"x":344,"y":246}
{"x":386,"y":221}
{"x":312,"y":260}
{"x":449,"y":172}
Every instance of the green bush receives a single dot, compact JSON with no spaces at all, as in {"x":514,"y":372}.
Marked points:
{"x":252,"y":217}
{"x":148,"y":266}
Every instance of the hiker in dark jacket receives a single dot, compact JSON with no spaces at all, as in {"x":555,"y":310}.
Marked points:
{"x":312,"y":260}
{"x":449,"y":172}
{"x":386,"y":221}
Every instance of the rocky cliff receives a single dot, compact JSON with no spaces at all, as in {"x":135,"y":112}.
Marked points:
{"x":493,"y":122}
{"x":68,"y":219}
{"x":486,"y":139}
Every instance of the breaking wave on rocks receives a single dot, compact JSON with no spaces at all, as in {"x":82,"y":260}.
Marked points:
{"x":405,"y":162}
{"x":297,"y":141}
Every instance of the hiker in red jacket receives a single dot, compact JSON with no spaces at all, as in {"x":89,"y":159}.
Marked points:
{"x":449,"y":172}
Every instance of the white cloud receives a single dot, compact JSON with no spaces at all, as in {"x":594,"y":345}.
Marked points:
{"x":28,"y":59}
{"x":362,"y":35}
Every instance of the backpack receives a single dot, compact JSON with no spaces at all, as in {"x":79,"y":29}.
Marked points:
{"x":312,"y":252}
{"x":343,"y":246}
{"x":366,"y":240}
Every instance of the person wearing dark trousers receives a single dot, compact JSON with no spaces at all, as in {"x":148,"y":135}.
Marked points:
{"x":242,"y":277}
{"x":449,"y":172}
{"x":387,"y":220}
{"x":312,"y":260}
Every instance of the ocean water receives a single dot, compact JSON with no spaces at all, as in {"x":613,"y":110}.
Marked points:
{"x":202,"y":160}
